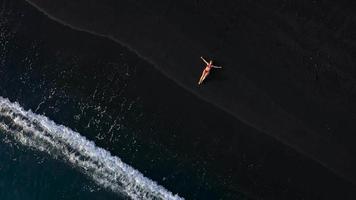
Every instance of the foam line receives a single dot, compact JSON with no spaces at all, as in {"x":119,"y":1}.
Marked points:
{"x":40,"y":133}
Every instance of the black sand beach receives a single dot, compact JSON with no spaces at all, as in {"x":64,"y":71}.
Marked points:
{"x":288,"y":69}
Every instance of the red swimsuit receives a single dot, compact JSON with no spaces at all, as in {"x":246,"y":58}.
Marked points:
{"x":207,"y":68}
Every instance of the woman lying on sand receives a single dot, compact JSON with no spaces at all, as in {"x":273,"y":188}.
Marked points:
{"x":207,"y":69}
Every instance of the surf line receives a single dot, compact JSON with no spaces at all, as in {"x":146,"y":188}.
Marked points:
{"x":42,"y":134}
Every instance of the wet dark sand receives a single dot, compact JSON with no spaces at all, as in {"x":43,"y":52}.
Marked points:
{"x":288,"y":69}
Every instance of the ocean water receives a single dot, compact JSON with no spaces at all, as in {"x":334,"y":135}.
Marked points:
{"x":39,"y":133}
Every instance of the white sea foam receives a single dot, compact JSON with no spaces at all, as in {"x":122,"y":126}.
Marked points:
{"x":40,"y":133}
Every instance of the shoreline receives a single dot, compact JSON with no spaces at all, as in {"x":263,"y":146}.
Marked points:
{"x":250,"y":104}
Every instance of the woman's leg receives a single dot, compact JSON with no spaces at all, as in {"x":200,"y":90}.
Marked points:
{"x":203,"y":76}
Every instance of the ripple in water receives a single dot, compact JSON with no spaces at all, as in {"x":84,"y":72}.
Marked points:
{"x":40,"y":133}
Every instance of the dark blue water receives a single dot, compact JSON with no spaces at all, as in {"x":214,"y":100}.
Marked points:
{"x":27,"y":174}
{"x":117,"y":100}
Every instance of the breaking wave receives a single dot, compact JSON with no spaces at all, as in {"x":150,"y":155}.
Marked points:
{"x":40,"y":133}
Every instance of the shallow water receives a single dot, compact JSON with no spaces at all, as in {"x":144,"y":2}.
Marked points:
{"x":39,"y":133}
